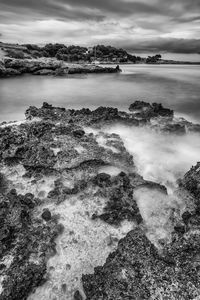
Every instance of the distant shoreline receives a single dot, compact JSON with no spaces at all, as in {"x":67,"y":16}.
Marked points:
{"x":17,"y":60}
{"x":164,"y":62}
{"x":98,"y":55}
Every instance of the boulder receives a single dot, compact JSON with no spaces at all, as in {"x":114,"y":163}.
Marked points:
{"x":46,"y":215}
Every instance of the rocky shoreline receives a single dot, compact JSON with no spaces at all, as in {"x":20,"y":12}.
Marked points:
{"x":15,"y":67}
{"x":59,"y":159}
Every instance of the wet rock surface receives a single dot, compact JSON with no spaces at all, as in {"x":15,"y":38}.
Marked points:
{"x":60,"y":166}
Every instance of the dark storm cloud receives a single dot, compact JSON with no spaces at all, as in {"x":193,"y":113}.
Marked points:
{"x":43,"y":9}
{"x":172,"y":45}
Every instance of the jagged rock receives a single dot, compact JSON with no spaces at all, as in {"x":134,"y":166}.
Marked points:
{"x":121,"y":205}
{"x":191,"y":181}
{"x":53,"y":150}
{"x":102,"y":180}
{"x":145,"y":110}
{"x":27,"y":241}
{"x":97,"y":118}
{"x":139,"y":105}
{"x":137,"y":271}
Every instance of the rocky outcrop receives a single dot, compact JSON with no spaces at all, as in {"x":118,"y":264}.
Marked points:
{"x":84,"y":117}
{"x":14,"y":67}
{"x":53,"y":159}
{"x":145,"y":110}
{"x":191,"y":181}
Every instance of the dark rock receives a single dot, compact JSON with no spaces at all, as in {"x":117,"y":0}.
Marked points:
{"x":118,"y":68}
{"x":102,"y":180}
{"x":145,"y":110}
{"x":46,"y":215}
{"x":2,"y":266}
{"x":191,"y":181}
{"x":161,"y":111}
{"x":138,"y":105}
{"x":64,"y":287}
{"x":79,"y":133}
{"x":180,"y":229}
{"x":3,"y":184}
{"x":121,"y":205}
{"x":83,"y":117}
{"x":28,"y":200}
{"x":47,"y":105}
{"x":78,"y":296}
{"x":22,"y":235}
{"x":186,"y":217}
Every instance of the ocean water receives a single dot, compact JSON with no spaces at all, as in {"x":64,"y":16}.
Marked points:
{"x":176,"y":86}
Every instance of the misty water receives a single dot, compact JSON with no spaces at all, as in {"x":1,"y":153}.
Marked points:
{"x":176,"y":86}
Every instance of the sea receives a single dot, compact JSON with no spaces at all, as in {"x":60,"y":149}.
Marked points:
{"x":175,"y":86}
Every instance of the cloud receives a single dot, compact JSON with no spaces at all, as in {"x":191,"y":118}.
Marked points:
{"x":138,"y":25}
{"x":68,"y":9}
{"x":172,"y":45}
{"x":41,"y":10}
{"x":94,"y":9}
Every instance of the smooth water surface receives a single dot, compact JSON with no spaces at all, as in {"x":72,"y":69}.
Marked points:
{"x":176,"y":86}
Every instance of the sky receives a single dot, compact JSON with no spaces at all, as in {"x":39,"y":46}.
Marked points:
{"x":140,"y":26}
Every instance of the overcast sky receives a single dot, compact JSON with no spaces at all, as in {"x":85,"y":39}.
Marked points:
{"x":140,"y":26}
